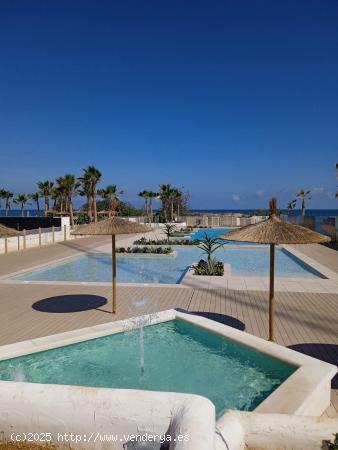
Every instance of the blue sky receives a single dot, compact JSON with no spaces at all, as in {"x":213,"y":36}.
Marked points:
{"x":233,"y":100}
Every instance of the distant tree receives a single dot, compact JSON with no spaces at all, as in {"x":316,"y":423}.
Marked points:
{"x":21,"y":201}
{"x":145,"y":196}
{"x":69,"y":187}
{"x":90,"y":179}
{"x":112,"y":197}
{"x":152,"y":196}
{"x":45,"y":191}
{"x":303,"y":196}
{"x":8,"y":196}
{"x":2,"y":197}
{"x":35,"y":198}
{"x":291,"y":206}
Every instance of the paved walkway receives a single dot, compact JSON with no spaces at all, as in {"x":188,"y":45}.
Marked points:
{"x":305,"y":321}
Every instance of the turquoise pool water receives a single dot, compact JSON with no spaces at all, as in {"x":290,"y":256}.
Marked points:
{"x":178,"y":357}
{"x":213,"y":232}
{"x":170,"y":269}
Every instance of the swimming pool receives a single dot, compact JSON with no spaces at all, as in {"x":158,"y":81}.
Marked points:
{"x":169,"y":269}
{"x":176,"y":356}
{"x":213,"y":232}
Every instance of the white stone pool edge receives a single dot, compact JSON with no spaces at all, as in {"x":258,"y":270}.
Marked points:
{"x":60,"y":408}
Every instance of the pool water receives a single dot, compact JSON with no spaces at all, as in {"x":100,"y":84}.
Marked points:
{"x":169,"y":269}
{"x":212,"y":232}
{"x":178,"y":357}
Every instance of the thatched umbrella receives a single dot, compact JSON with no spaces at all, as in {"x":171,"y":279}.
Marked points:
{"x":274,"y":231}
{"x":8,"y":232}
{"x":111,"y":227}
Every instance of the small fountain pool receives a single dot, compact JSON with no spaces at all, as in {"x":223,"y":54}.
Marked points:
{"x":171,"y":356}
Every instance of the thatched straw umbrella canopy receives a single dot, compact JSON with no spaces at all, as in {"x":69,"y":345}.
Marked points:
{"x":8,"y":232}
{"x":111,"y":227}
{"x":274,"y":231}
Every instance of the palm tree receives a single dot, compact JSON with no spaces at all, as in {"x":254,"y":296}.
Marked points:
{"x":167,"y":200}
{"x":21,"y":200}
{"x":35,"y":198}
{"x":90,"y":179}
{"x":112,"y":197}
{"x":303,"y":196}
{"x":45,"y":191}
{"x":2,"y":197}
{"x":69,"y":186}
{"x":8,"y":195}
{"x":62,"y":199}
{"x":152,"y":195}
{"x":145,"y":196}
{"x":209,"y":245}
{"x":291,"y":206}
{"x":176,"y":196}
{"x":55,"y":196}
{"x":169,"y":230}
{"x":86,"y":192}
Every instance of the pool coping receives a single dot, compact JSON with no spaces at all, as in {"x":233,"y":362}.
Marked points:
{"x":305,"y":392}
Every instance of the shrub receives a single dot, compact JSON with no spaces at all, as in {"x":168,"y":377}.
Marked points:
{"x":146,"y":250}
{"x":211,"y":267}
{"x":144,"y":241}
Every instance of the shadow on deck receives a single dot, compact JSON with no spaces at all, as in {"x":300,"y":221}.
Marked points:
{"x":324,"y":352}
{"x":70,"y":303}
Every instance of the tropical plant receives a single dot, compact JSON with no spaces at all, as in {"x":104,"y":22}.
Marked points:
{"x":89,"y":181}
{"x":7,"y":196}
{"x":2,"y":197}
{"x":69,"y":188}
{"x":291,"y":206}
{"x":145,"y":196}
{"x":169,"y":230}
{"x":303,"y":196}
{"x":45,"y":191}
{"x":176,"y":196}
{"x":21,"y":201}
{"x":152,"y":195}
{"x":166,"y":199}
{"x":145,"y":241}
{"x":211,"y":267}
{"x":35,"y":198}
{"x":112,"y":198}
{"x":148,"y":197}
{"x":209,"y":245}
{"x":157,"y":250}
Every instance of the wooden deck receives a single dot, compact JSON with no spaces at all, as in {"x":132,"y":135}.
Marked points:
{"x":306,"y":322}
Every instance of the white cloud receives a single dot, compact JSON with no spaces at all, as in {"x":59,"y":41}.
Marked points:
{"x":317,"y":190}
{"x":260,"y":193}
{"x":236,"y":197}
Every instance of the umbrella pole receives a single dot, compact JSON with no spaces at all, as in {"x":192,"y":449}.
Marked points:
{"x":272,"y":294}
{"x":114,"y":274}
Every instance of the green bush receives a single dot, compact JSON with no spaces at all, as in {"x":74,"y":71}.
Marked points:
{"x":145,"y":250}
{"x":144,"y":241}
{"x":212,"y":267}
